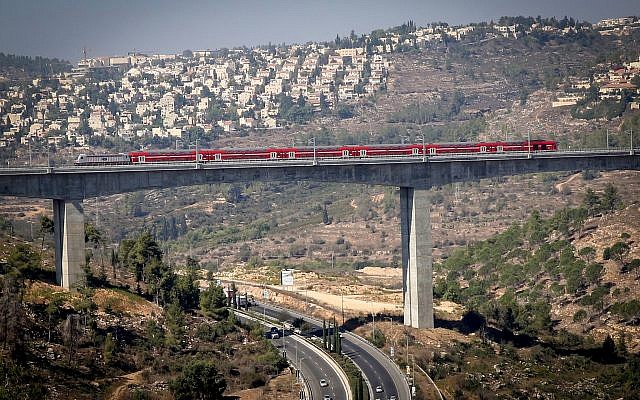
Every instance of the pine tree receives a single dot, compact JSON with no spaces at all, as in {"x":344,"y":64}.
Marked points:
{"x":324,"y":333}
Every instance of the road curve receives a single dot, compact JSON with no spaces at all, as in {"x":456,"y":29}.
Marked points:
{"x":311,"y":362}
{"x":378,"y":370}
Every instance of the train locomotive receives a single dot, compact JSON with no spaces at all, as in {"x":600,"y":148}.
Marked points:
{"x":315,"y":153}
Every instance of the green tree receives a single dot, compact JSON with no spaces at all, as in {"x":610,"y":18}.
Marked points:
{"x":52,"y":310}
{"x":46,"y":227}
{"x":618,"y":251}
{"x":135,"y":254}
{"x":109,"y":349}
{"x":213,"y":302}
{"x":23,"y":259}
{"x":175,"y":324}
{"x":611,"y":198}
{"x":154,"y":335}
{"x":591,"y":201}
{"x":593,"y":273}
{"x":587,"y":252}
{"x":199,"y":380}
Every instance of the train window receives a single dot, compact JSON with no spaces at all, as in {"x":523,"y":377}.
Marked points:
{"x":500,"y":149}
{"x":415,"y":151}
{"x":363,"y":153}
{"x":292,"y":154}
{"x":432,"y":151}
{"x":345,"y":153}
{"x":273,"y":155}
{"x":217,"y":157}
{"x":483,"y":149}
{"x":141,"y":159}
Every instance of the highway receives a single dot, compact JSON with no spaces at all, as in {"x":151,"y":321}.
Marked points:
{"x":310,"y":362}
{"x":378,"y":370}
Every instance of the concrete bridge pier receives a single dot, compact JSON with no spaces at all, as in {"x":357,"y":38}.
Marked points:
{"x":417,"y":268}
{"x":68,"y":218}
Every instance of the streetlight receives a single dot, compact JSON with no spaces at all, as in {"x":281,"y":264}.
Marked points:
{"x":528,"y":144}
{"x":631,"y":144}
{"x":607,"y":138}
{"x":413,"y":370}
{"x":313,"y":141}
{"x":424,"y":149}
{"x":197,"y":165}
{"x":342,"y":298}
{"x":394,"y":338}
{"x":29,"y":143}
{"x":373,"y":335}
{"x":284,"y":344}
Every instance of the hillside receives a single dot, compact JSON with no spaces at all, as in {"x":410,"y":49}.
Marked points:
{"x":536,"y":276}
{"x":111,"y":342}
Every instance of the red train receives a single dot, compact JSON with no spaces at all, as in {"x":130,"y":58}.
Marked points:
{"x":320,"y":153}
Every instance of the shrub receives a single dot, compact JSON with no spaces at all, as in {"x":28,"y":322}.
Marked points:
{"x":579,"y":315}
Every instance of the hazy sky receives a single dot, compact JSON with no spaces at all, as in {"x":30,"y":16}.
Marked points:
{"x":61,"y":28}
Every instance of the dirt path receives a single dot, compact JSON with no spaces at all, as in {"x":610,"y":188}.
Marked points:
{"x":126,"y":381}
{"x":560,"y":186}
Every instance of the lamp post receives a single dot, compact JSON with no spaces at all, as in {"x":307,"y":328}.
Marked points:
{"x":284,"y":344}
{"x":342,"y":300}
{"x":197,"y":165}
{"x":394,"y":340}
{"x":413,"y":369}
{"x":424,"y":149}
{"x":406,"y":334}
{"x":528,"y":144}
{"x":631,"y":144}
{"x":607,"y":138}
{"x":313,"y":142}
{"x":373,"y":335}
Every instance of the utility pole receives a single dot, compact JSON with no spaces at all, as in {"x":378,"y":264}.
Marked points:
{"x":342,"y":298}
{"x":284,"y":344}
{"x":373,"y":335}
{"x":197,"y":165}
{"x":315,"y":160}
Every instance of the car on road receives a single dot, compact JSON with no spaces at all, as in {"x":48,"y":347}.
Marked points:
{"x":326,"y":397}
{"x":392,"y":397}
{"x":323,"y":383}
{"x":379,"y":389}
{"x":275,"y":335}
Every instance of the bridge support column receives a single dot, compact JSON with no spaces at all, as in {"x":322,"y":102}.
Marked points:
{"x":68,"y":218}
{"x":417,"y":269}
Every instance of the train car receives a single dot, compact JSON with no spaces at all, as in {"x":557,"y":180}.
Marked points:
{"x":320,"y":152}
{"x":103,"y":159}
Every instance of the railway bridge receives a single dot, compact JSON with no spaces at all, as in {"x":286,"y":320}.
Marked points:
{"x":68,"y":186}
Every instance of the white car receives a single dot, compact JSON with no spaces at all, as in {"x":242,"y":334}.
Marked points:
{"x":323,"y":383}
{"x":379,"y":389}
{"x":326,"y":397}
